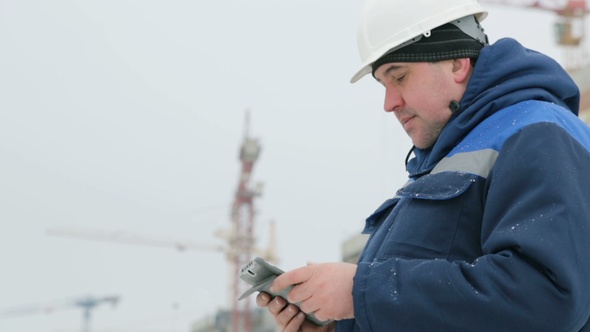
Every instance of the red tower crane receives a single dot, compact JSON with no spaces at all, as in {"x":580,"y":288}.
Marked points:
{"x":240,"y":241}
{"x":241,"y":237}
{"x":569,"y":28}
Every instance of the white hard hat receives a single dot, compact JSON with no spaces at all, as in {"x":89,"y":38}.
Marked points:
{"x":389,"y":24}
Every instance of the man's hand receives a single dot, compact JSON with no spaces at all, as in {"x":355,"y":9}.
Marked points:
{"x":322,"y":289}
{"x":288,"y":317}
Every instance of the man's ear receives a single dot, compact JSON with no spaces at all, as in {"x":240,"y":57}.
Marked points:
{"x":461,"y":69}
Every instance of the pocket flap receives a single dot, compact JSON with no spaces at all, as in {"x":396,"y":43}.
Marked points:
{"x":379,"y":214}
{"x":439,"y":186}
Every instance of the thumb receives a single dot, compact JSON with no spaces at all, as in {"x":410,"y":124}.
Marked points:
{"x":290,"y":278}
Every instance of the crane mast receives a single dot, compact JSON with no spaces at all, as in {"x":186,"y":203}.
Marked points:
{"x":89,"y":303}
{"x":241,"y":242}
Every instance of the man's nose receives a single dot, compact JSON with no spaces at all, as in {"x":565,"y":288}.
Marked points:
{"x":393,"y":100}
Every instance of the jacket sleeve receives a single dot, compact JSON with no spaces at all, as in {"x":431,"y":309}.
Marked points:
{"x":534,"y":273}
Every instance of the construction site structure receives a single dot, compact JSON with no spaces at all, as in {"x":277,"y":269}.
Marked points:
{"x":582,"y":79}
{"x":569,"y":28}
{"x":86,"y":303}
{"x":240,"y":243}
{"x":570,"y":36}
{"x":262,"y":321}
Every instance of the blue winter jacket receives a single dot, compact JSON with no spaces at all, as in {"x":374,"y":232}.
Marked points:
{"x":492,"y":232}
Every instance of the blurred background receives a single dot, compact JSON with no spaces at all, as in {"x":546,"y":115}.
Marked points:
{"x":122,"y":123}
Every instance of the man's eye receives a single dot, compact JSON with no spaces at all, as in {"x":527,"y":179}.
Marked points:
{"x":400,"y":78}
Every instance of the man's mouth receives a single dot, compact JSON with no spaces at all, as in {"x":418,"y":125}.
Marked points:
{"x":405,"y":120}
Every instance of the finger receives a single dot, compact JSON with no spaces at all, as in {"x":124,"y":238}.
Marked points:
{"x":300,"y":293}
{"x":284,"y":317}
{"x":277,"y":305}
{"x":262,"y":299}
{"x":321,"y":315}
{"x":309,"y":306}
{"x":295,"y":323}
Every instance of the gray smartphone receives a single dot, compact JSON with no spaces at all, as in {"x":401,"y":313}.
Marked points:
{"x":260,"y":274}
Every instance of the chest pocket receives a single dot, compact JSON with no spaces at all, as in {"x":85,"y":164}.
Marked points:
{"x":435,"y":218}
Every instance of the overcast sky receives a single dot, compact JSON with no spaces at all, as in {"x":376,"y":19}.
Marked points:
{"x":127,"y":115}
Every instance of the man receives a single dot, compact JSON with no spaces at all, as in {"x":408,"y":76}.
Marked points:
{"x":492,"y":230}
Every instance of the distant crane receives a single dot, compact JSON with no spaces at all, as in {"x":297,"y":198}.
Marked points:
{"x":87,"y":303}
{"x":570,"y":28}
{"x":132,"y":238}
{"x":240,"y":241}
